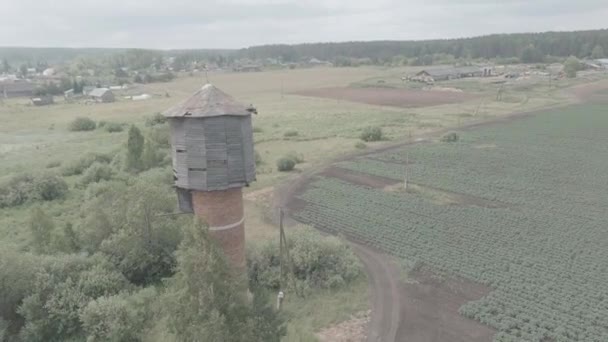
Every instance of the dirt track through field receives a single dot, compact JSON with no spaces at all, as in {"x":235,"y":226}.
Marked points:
{"x":425,"y":309}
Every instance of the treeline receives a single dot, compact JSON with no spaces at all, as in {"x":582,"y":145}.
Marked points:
{"x":529,"y":47}
{"x":507,"y":48}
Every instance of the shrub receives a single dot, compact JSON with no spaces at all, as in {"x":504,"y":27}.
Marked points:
{"x":119,"y":317}
{"x":49,"y":187}
{"x":291,"y":133}
{"x":296,"y":157}
{"x":114,"y":127}
{"x":450,"y":137}
{"x":18,"y":270}
{"x":160,"y":136}
{"x":82,"y":124}
{"x":155,"y":119}
{"x":285,"y":164}
{"x":78,"y":166}
{"x":258,"y":158}
{"x":257,"y":129}
{"x":360,"y":145}
{"x":101,"y":124}
{"x":24,"y":187}
{"x":319,"y":262}
{"x":53,"y":164}
{"x":371,"y":134}
{"x":151,"y":157}
{"x":96,"y":173}
{"x":61,"y":291}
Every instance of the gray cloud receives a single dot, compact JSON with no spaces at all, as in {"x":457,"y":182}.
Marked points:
{"x":239,"y":23}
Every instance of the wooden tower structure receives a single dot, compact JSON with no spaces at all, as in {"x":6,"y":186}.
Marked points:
{"x":213,"y":159}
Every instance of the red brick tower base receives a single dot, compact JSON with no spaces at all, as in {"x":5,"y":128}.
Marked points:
{"x":223,"y":212}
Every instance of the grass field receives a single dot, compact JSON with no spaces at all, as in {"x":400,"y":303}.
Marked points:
{"x":518,"y":206}
{"x":32,"y":137}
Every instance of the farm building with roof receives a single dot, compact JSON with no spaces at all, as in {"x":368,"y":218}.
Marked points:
{"x":16,"y":89}
{"x":104,"y":95}
{"x":444,"y":74}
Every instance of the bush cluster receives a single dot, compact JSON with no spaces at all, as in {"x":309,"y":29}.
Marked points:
{"x":360,"y":145}
{"x":113,"y":127}
{"x":82,"y":124}
{"x":450,"y":137}
{"x":155,"y":119}
{"x":78,"y":166}
{"x":258,"y":158}
{"x":286,"y":164}
{"x":291,"y":133}
{"x":319,"y":262}
{"x":96,"y":173}
{"x":22,"y":188}
{"x":371,"y":134}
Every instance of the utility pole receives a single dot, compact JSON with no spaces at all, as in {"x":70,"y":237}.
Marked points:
{"x":285,"y":264}
{"x":407,"y":162}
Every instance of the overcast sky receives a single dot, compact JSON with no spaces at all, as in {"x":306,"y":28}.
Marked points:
{"x":168,"y":24}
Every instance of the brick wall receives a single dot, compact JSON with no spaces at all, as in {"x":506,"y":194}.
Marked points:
{"x":220,"y":209}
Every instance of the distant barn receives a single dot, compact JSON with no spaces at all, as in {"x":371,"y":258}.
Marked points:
{"x":104,"y":95}
{"x":444,"y":74}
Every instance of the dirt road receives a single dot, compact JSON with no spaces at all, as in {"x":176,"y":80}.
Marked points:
{"x":383,"y":275}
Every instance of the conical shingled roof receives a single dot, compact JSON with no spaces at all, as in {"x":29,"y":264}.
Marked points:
{"x":206,"y":102}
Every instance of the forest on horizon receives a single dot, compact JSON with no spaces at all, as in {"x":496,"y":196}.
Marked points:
{"x":511,"y":48}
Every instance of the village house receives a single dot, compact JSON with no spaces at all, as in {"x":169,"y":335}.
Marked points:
{"x":17,"y":89}
{"x":86,"y":90}
{"x":317,"y":62}
{"x":248,"y":68}
{"x":103,"y":95}
{"x":603,"y":62}
{"x":48,"y":72}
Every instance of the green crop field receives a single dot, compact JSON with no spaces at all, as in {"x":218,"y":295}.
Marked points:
{"x":527,"y":217}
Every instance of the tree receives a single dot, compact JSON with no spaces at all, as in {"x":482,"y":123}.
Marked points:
{"x":96,"y":227}
{"x":572,"y":66}
{"x":135,"y":148}
{"x":530,"y":54}
{"x":17,"y":270}
{"x":206,"y":301}
{"x":68,"y":241}
{"x":23,"y":70}
{"x":598,"y":52}
{"x":120,"y":317}
{"x":149,"y":157}
{"x":60,"y":291}
{"x":119,"y":72}
{"x":6,"y":67}
{"x":144,"y":240}
{"x":41,"y":227}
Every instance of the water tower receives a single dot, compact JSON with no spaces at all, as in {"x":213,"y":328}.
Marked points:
{"x":213,"y":159}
